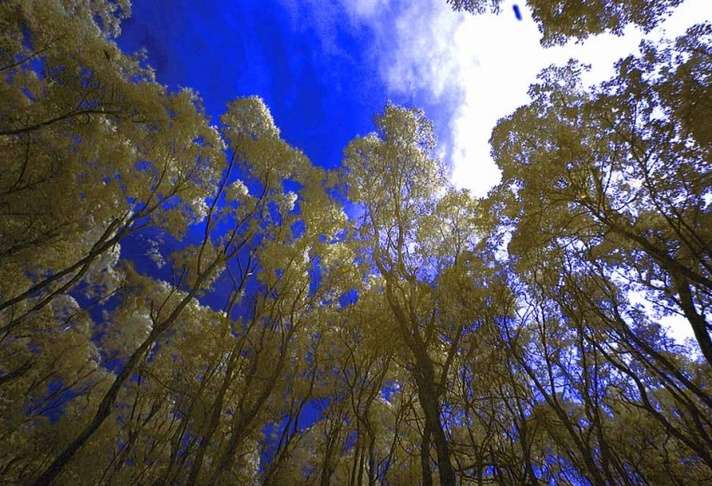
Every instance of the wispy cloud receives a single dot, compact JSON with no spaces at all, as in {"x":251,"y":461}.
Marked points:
{"x":472,"y":70}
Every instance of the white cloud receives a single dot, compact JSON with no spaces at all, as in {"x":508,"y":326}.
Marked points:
{"x":487,"y":61}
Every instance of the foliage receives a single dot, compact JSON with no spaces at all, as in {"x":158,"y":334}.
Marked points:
{"x":561,"y":20}
{"x":431,"y":338}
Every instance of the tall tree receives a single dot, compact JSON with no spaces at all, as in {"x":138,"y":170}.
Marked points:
{"x":413,"y":228}
{"x":625,"y":171}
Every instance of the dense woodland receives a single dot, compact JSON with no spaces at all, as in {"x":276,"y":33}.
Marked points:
{"x":429,"y":338}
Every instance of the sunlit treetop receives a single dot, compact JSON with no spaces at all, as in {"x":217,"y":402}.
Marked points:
{"x":563,"y":20}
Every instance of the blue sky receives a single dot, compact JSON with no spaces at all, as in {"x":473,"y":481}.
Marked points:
{"x":319,"y":98}
{"x":319,"y":65}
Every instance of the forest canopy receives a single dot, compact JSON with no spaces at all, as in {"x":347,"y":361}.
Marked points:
{"x":428,"y":337}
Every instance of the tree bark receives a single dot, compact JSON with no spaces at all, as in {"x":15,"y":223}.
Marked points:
{"x":698,"y":323}
{"x":107,"y":403}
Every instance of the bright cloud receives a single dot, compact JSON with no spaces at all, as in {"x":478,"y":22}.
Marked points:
{"x":487,"y":61}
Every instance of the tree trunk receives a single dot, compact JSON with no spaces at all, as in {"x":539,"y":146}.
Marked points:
{"x":428,"y":390}
{"x":698,"y":323}
{"x":107,"y":403}
{"x":427,"y":473}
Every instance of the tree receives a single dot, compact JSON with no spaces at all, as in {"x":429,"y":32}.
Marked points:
{"x":561,"y":20}
{"x":603,"y":194}
{"x":266,"y":338}
{"x":621,"y":178}
{"x":412,"y":235}
{"x":96,"y":149}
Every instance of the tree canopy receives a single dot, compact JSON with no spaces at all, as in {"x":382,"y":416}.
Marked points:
{"x":563,"y":20}
{"x":429,"y":338}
